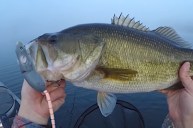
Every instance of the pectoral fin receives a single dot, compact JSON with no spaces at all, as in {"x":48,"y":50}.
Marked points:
{"x":106,"y":103}
{"x":118,"y":74}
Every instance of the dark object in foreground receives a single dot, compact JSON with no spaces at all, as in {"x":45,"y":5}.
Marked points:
{"x":125,"y":115}
{"x":9,"y":106}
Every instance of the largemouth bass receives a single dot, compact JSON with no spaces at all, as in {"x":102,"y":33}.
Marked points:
{"x":121,"y":57}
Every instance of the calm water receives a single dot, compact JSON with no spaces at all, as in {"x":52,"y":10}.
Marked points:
{"x":152,"y":105}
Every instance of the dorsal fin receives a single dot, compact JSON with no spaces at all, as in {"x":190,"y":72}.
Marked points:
{"x":171,"y":34}
{"x":128,"y":22}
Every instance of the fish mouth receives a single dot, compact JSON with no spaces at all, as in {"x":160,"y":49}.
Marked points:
{"x":37,"y":54}
{"x":31,"y":48}
{"x":50,"y":62}
{"x":41,"y":61}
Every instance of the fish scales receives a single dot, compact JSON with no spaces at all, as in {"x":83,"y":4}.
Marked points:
{"x":149,"y":60}
{"x":144,"y":52}
{"x":121,"y":57}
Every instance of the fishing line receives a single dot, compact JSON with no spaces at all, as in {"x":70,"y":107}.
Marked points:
{"x":51,"y":111}
{"x":48,"y":99}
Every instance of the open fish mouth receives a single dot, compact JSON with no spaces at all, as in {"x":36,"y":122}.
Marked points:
{"x":31,"y":48}
{"x":40,"y":60}
{"x":49,"y":66}
{"x":37,"y":55}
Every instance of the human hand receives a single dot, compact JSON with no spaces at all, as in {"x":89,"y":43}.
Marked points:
{"x":34,"y":106}
{"x":180,"y":102}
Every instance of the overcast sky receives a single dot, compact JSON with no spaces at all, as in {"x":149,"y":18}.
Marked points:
{"x":24,"y":20}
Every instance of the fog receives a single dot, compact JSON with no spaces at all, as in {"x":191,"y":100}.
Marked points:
{"x":24,"y":20}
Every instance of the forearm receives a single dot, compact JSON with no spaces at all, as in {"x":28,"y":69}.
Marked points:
{"x":20,"y":122}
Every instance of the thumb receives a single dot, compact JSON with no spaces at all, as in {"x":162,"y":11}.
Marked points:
{"x":185,"y":76}
{"x":28,"y":91}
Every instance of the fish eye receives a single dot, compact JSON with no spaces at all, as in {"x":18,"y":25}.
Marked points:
{"x":21,"y":48}
{"x":53,"y":39}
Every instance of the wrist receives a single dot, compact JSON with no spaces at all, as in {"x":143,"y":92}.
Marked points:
{"x":185,"y":123}
{"x":32,"y":116}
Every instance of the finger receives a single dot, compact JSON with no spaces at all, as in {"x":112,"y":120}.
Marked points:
{"x":58,"y":103}
{"x":62,"y":83}
{"x":51,"y":86}
{"x":27,"y":90}
{"x":48,"y":83}
{"x":57,"y":94}
{"x":185,"y":77}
